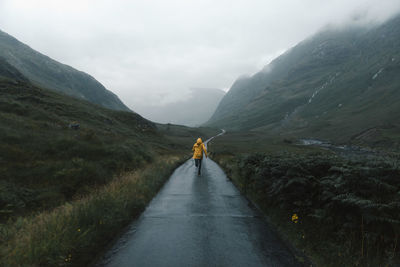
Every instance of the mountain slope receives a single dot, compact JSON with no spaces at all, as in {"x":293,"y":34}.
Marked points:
{"x":334,"y":85}
{"x":44,"y":161}
{"x":8,"y":72}
{"x":48,"y":73}
{"x":193,"y":111}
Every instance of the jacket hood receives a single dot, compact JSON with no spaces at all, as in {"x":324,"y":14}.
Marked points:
{"x":199,"y":141}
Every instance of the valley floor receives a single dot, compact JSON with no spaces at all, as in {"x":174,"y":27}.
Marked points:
{"x":200,"y":221}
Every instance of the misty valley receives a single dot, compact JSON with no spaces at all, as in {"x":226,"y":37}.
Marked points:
{"x":301,"y":164}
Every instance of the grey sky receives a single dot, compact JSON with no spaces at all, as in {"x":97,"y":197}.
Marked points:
{"x":152,"y":51}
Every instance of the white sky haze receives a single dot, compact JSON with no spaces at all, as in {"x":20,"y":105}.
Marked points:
{"x":151,"y":52}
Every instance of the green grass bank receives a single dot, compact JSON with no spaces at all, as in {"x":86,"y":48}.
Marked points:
{"x":74,"y":233}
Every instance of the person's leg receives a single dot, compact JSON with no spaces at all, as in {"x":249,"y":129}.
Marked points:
{"x":196,"y":162}
{"x":199,"y":167}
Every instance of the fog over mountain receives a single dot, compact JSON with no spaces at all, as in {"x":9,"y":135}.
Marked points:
{"x":338,"y":85}
{"x":48,"y":73}
{"x":151,"y":52}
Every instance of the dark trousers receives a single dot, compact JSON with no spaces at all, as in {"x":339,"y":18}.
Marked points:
{"x":197,"y":163}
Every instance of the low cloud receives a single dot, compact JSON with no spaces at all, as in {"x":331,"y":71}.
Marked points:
{"x":152,"y":52}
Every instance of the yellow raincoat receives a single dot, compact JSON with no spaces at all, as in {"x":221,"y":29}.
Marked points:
{"x":198,"y":149}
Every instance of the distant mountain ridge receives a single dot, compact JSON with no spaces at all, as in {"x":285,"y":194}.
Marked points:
{"x":48,"y":73}
{"x":193,"y":111}
{"x":333,"y":85}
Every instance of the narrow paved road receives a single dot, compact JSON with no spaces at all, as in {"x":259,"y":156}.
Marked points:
{"x":199,"y":221}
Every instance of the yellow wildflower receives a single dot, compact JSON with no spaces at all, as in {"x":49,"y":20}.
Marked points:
{"x":295,"y":218}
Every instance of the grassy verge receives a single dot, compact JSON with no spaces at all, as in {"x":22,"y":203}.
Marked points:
{"x":71,"y":234}
{"x":347,"y":212}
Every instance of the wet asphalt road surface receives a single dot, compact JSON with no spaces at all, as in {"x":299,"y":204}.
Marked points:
{"x":199,"y":221}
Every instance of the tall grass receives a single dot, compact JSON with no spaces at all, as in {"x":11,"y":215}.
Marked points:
{"x":72,"y":234}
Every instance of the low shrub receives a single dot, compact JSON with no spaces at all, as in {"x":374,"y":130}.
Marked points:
{"x":348,"y":212}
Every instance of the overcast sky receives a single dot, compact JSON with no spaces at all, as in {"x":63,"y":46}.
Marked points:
{"x":152,"y":51}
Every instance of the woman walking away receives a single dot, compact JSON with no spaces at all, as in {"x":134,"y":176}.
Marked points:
{"x":198,"y":149}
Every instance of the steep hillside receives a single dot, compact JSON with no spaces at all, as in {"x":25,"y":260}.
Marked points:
{"x":54,"y":146}
{"x":48,"y":73}
{"x":335,"y":85}
{"x":193,"y":111}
